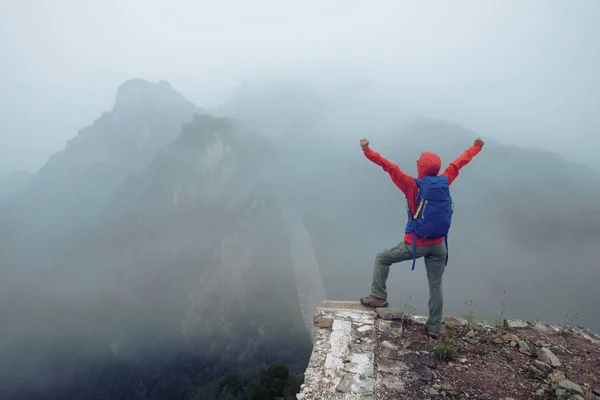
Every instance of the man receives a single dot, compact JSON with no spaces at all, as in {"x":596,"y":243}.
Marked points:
{"x":434,"y":250}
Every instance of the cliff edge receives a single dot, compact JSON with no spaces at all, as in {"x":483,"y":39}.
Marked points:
{"x":361,"y":353}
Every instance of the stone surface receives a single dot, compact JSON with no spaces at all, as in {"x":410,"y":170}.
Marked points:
{"x":510,"y":337}
{"x":516,"y":324}
{"x":570,"y":386}
{"x":388,"y":353}
{"x":347,"y":305}
{"x":542,"y":366}
{"x":390,"y":313}
{"x":548,"y":357}
{"x":357,"y":316}
{"x":523,"y":347}
{"x":357,"y":354}
{"x":596,"y":390}
{"x":560,"y":393}
{"x":395,"y":367}
{"x":323,"y":322}
{"x":392,"y":383}
{"x":433,"y":391}
{"x":423,"y":373}
{"x":453,"y":321}
{"x":356,"y":384}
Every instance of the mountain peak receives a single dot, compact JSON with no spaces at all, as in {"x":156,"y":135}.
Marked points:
{"x":139,"y":90}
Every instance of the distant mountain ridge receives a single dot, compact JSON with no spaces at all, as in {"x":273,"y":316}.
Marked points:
{"x":67,"y":194}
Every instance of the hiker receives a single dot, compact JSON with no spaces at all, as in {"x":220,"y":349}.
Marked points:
{"x":427,"y":196}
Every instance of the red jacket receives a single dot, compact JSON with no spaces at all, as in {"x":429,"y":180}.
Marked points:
{"x":429,"y":164}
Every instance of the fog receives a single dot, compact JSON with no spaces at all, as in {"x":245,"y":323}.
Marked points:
{"x":518,"y":72}
{"x":193,"y":183}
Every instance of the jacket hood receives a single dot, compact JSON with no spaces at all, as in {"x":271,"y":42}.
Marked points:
{"x":429,"y":164}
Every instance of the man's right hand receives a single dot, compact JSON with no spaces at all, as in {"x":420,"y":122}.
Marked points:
{"x":364,"y":143}
{"x":479,"y":142}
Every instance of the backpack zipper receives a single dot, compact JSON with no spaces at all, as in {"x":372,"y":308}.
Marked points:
{"x":423,"y":212}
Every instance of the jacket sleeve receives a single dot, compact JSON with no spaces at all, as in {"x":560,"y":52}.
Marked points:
{"x":452,"y":171}
{"x":402,"y":180}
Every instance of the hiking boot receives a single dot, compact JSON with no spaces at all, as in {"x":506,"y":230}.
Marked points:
{"x":374,"y":302}
{"x":433,"y":335}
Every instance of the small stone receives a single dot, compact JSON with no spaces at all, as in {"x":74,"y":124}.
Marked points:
{"x":556,"y":376}
{"x":453,"y":321}
{"x":542,"y":366}
{"x":498,"y":341}
{"x":513,"y":344}
{"x":523,"y":344}
{"x":437,"y":387}
{"x":549,"y":358}
{"x":524,"y":351}
{"x":471,"y":334}
{"x":389,"y":313}
{"x":427,"y":360}
{"x":432,"y":391}
{"x":540,"y":391}
{"x":458,"y":369}
{"x":462,"y":360}
{"x":560,"y":393}
{"x":510,"y":337}
{"x":535,"y":370}
{"x":596,"y":390}
{"x":570,"y":386}
{"x":423,"y":373}
{"x":516,"y":323}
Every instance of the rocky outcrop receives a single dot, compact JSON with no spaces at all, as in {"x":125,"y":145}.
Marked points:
{"x":359,"y":354}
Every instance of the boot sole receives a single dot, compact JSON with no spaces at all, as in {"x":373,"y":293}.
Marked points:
{"x":373,"y":306}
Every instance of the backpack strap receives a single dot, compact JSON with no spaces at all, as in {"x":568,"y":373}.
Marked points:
{"x":414,"y":250}
{"x":446,"y":242}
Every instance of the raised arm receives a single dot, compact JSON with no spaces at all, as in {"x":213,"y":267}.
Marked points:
{"x":452,"y":171}
{"x":402,"y":180}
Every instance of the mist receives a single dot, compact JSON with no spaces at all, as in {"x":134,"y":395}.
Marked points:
{"x":521,"y":73}
{"x":181,"y":184}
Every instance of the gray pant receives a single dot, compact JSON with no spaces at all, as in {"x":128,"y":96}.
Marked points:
{"x":435,"y":260}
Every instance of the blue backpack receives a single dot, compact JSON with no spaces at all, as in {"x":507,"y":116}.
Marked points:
{"x":433,"y":216}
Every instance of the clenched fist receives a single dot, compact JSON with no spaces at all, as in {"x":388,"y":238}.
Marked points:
{"x":364,"y":143}
{"x":479,"y":142}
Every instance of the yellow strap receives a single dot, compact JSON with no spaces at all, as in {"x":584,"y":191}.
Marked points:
{"x":419,"y":209}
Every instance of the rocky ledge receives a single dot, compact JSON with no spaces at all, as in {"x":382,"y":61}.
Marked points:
{"x":361,"y":353}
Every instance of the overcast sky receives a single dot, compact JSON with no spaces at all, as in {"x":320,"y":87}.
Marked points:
{"x":518,"y":71}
